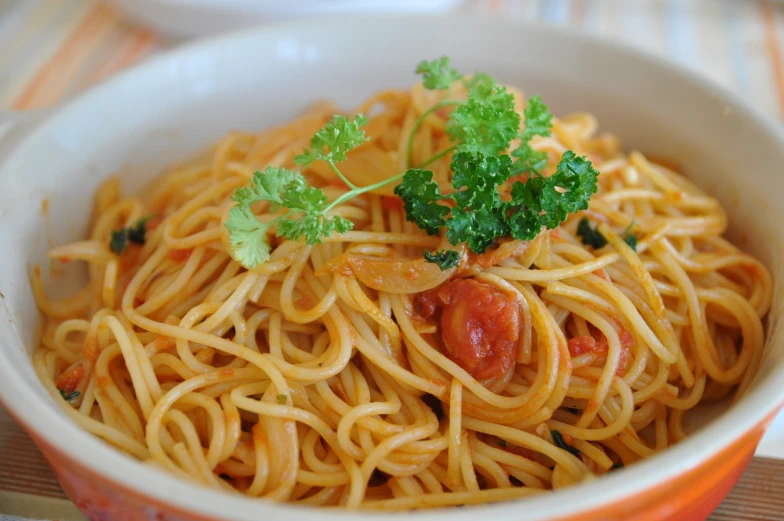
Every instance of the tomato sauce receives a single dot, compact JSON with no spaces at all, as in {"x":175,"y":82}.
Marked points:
{"x":581,"y":345}
{"x":180,"y":255}
{"x":480,"y":325}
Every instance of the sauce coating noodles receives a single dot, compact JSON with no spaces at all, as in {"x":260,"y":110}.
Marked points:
{"x":317,"y":377}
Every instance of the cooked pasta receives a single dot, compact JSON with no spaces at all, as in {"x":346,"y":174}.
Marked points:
{"x":338,"y":373}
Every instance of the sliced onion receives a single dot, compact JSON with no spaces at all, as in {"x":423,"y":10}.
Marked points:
{"x":392,"y":274}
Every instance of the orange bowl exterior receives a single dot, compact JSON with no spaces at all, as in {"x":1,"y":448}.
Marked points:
{"x":691,"y":496}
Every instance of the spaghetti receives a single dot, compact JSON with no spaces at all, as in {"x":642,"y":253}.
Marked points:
{"x":329,"y":374}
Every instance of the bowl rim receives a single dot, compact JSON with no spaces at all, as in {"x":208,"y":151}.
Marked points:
{"x":59,"y":432}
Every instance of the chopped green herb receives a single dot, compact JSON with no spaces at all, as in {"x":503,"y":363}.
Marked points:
{"x":283,"y":399}
{"x":444,"y":258}
{"x":618,"y":465}
{"x":69,"y":396}
{"x":590,"y":236}
{"x":573,"y":410}
{"x":559,"y":441}
{"x":118,"y":241}
{"x":631,"y":240}
{"x":135,"y":233}
{"x":501,"y":443}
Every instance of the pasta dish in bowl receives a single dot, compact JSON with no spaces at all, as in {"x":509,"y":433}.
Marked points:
{"x":456,"y":299}
{"x":496,"y":283}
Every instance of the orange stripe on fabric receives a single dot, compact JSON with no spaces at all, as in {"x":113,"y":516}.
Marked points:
{"x":774,"y":51}
{"x":136,"y":45}
{"x":55,"y":76}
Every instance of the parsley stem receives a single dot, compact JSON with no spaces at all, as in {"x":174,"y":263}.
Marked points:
{"x":438,"y":156}
{"x":361,"y":190}
{"x":418,"y":123}
{"x":341,"y":176}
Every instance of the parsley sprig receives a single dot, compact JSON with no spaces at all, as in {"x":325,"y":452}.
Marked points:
{"x":302,"y":210}
{"x":482,"y":127}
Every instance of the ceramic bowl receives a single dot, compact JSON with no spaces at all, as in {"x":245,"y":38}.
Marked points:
{"x":165,"y":109}
{"x":193,"y":18}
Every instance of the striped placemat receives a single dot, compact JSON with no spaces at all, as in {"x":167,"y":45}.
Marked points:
{"x":53,"y":49}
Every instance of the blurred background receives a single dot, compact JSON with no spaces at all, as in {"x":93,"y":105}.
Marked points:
{"x":52,"y":49}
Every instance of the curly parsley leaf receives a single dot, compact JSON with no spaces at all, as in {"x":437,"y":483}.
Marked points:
{"x":477,"y":228}
{"x":334,"y":140}
{"x":480,"y":176}
{"x":538,"y":119}
{"x":267,"y":186}
{"x":578,"y":177}
{"x":306,"y":219}
{"x":307,"y":207}
{"x":548,"y":201}
{"x":421,"y":196}
{"x":437,"y":74}
{"x":444,"y":258}
{"x":313,"y":227}
{"x":248,"y":236}
{"x":486,"y":122}
{"x":538,"y":122}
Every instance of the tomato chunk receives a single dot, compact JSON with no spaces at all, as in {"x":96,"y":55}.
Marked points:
{"x":69,"y":380}
{"x":480,"y":325}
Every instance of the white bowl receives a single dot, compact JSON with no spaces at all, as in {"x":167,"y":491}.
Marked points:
{"x":165,"y":109}
{"x":191,"y":18}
